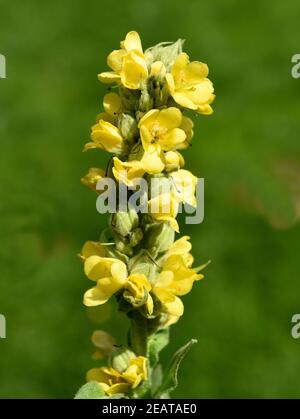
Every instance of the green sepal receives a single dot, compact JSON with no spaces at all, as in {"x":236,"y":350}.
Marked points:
{"x":156,"y":343}
{"x":91,"y":390}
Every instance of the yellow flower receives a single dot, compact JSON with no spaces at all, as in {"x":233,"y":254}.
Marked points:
{"x":112,"y":381}
{"x":181,"y":247}
{"x":189,"y":85}
{"x":176,"y":279}
{"x":160,"y":132}
{"x":105,"y":133}
{"x":127,"y":172}
{"x":164,"y":207}
{"x":138,"y":288}
{"x":91,"y":179}
{"x":111,"y":276}
{"x":184,"y":186}
{"x":128,"y":63}
{"x":162,"y":128}
{"x":106,"y":136}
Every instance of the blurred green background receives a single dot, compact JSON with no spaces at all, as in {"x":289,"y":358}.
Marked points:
{"x":248,"y":152}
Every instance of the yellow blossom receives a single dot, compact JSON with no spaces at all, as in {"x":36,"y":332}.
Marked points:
{"x":162,"y":128}
{"x":106,"y":136}
{"x":175,"y":279}
{"x":105,"y":133}
{"x":111,"y":276}
{"x":160,"y":132}
{"x":189,"y":85}
{"x":127,"y":172}
{"x":112,"y":381}
{"x":128,"y":64}
{"x":181,"y":247}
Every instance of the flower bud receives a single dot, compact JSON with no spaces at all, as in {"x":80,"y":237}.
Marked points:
{"x":120,"y":359}
{"x":146,"y":101}
{"x":158,"y":70}
{"x":173,"y":161}
{"x":123,"y":222}
{"x":143,"y":264}
{"x":128,"y":127}
{"x":165,"y":53}
{"x":135,"y":237}
{"x":159,"y":238}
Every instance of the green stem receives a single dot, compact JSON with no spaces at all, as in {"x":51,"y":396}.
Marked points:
{"x":138,"y":333}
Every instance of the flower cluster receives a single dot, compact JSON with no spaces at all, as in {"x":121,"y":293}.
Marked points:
{"x":137,"y":258}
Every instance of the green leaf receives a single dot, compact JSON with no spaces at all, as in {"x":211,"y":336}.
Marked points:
{"x":156,"y":378}
{"x":170,"y":380}
{"x":90,"y":390}
{"x":156,"y":343}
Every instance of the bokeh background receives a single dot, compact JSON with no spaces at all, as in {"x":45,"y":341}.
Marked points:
{"x":248,"y":153}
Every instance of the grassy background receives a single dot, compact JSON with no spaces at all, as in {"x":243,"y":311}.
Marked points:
{"x":248,"y":153}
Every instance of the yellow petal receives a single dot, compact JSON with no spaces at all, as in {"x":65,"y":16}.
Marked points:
{"x":195,"y":71}
{"x":180,"y":246}
{"x":109,"y":77}
{"x":112,"y":103}
{"x":172,"y":139}
{"x":182,"y":99}
{"x":115,"y":60}
{"x":169,"y":118}
{"x":132,"y":42}
{"x":127,"y":172}
{"x":95,"y":374}
{"x":102,"y":292}
{"x":175,"y":307}
{"x":134,"y":70}
{"x":107,"y":136}
{"x":118,"y":388}
{"x":179,"y":66}
{"x":152,"y":160}
{"x":170,"y":83}
{"x":149,"y":118}
{"x":91,"y":248}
